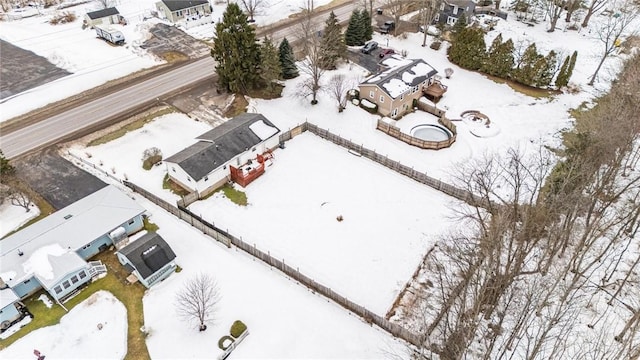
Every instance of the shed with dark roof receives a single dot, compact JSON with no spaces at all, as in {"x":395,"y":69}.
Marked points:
{"x":151,"y":258}
{"x":102,"y":17}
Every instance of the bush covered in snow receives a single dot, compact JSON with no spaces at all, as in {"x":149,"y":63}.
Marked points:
{"x":369,"y":106}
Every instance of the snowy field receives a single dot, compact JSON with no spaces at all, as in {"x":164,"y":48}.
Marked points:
{"x":389,"y":223}
{"x":94,"y":62}
{"x":14,"y":217}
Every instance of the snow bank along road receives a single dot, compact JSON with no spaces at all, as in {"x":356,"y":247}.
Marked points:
{"x":95,"y":113}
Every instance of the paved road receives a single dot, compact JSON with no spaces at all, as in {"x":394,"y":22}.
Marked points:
{"x":90,"y":115}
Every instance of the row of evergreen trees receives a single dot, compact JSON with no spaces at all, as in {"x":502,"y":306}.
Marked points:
{"x":242,"y":63}
{"x":469,"y":51}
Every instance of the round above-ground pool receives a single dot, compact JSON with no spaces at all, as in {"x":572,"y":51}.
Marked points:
{"x":428,"y":132}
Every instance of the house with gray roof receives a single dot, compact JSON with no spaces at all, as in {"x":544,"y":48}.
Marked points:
{"x":103,"y":17}
{"x":234,"y":151}
{"x":452,"y":10}
{"x":53,"y":253}
{"x":182,"y":10}
{"x":394,"y":88}
{"x":149,"y":258}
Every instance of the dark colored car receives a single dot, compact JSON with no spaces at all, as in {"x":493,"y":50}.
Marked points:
{"x":387,"y":27}
{"x":369,"y":47}
{"x":386,"y":52}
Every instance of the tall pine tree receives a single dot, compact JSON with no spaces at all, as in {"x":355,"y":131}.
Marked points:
{"x":526,"y":71}
{"x":365,"y":17}
{"x":544,"y":69}
{"x":287,"y":60}
{"x":355,"y":33}
{"x":270,"y":65}
{"x":332,"y":45}
{"x":561,"y":79}
{"x":572,"y":65}
{"x":236,"y":52}
{"x":499,"y":60}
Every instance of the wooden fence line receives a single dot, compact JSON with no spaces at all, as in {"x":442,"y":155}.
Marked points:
{"x":228,"y":239}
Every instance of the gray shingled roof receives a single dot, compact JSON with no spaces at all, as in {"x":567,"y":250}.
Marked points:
{"x":148,"y":254}
{"x":175,"y":5}
{"x":219,"y":145}
{"x":102,"y":13}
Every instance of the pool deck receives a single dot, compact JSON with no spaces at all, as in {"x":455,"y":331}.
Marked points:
{"x":414,"y":119}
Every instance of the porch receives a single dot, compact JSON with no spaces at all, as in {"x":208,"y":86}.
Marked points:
{"x":435,"y":91}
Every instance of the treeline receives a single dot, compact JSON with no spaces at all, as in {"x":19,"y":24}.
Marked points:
{"x":469,"y":50}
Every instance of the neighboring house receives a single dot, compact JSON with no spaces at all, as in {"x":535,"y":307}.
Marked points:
{"x":177,"y":10}
{"x":236,"y":150}
{"x":52,"y":253}
{"x":103,"y":17}
{"x":149,"y":258}
{"x":11,"y":309}
{"x":451,"y":10}
{"x":395,"y":88}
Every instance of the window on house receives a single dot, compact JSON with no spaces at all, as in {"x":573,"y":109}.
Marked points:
{"x":206,"y":178}
{"x":57,"y":289}
{"x":381,"y":98}
{"x":173,"y":169}
{"x":405,"y":107}
{"x":254,"y":149}
{"x":74,"y":279}
{"x":402,"y":96}
{"x":179,"y":13}
{"x":66,"y":284}
{"x":451,"y":20}
{"x":86,"y":246}
{"x":132,"y":221}
{"x":189,"y":179}
{"x":82,"y":274}
{"x":224,"y":167}
{"x":437,"y":18}
{"x":371,"y":94}
{"x":394,"y":113}
{"x":27,"y":281}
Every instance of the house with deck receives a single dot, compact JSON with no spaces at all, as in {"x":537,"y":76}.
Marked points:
{"x":182,"y":10}
{"x":238,"y":150}
{"x":397,"y":85}
{"x":149,"y":259}
{"x":53,"y":254}
{"x":106,"y":16}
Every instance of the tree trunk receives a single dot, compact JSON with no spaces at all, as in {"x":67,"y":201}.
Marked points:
{"x":585,"y":22}
{"x":595,"y":74}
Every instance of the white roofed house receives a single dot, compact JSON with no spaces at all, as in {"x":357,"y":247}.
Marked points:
{"x":400,"y":82}
{"x":52,"y":253}
{"x":236,"y":150}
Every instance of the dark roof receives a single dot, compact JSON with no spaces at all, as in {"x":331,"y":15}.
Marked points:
{"x":175,"y":5}
{"x":102,"y":13}
{"x":219,"y":145}
{"x":148,"y":254}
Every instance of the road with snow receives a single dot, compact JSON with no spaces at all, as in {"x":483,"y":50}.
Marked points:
{"x":102,"y":110}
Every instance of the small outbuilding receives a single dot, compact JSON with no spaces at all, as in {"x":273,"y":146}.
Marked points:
{"x":103,"y":17}
{"x":177,"y":10}
{"x":149,"y":258}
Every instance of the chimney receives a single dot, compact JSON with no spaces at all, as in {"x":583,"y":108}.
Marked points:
{"x":20,"y":253}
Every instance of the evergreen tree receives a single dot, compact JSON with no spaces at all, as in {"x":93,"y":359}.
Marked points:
{"x":459,"y":25}
{"x":561,"y":79}
{"x":332,"y":45}
{"x":354,"y":34}
{"x":468,"y":50}
{"x":526,"y":71}
{"x":236,"y":52}
{"x":270,"y":65}
{"x":499,"y":60}
{"x":6,"y":169}
{"x":365,"y":17}
{"x":544,"y":69}
{"x":572,"y":65}
{"x":287,"y":60}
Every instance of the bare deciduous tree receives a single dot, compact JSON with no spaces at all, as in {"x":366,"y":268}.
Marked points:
{"x":313,"y":68}
{"x":338,"y":86}
{"x":253,"y":7}
{"x":197,"y":300}
{"x":611,"y":31}
{"x":594,"y":7}
{"x":19,"y":198}
{"x":104,"y":4}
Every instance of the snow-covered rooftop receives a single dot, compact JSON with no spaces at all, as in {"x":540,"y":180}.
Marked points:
{"x":262,"y":130}
{"x":71,"y":227}
{"x":402,"y":74}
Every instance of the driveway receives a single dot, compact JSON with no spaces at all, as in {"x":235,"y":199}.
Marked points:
{"x":22,"y":70}
{"x":168,"y":42}
{"x":57,"y":180}
{"x":369,"y":61}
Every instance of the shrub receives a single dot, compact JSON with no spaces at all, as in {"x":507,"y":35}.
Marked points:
{"x":63,"y":18}
{"x":151,"y":157}
{"x":225,"y":342}
{"x":369,"y":106}
{"x":435,"y":45}
{"x":237,"y":329}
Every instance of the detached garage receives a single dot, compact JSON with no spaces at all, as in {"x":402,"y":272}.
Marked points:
{"x":103,"y":17}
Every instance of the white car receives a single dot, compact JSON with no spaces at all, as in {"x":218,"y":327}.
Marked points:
{"x":431,"y":30}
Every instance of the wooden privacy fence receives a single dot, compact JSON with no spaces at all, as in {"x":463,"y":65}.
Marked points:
{"x":228,"y":239}
{"x":396,"y":166}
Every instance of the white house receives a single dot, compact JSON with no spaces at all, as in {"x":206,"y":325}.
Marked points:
{"x":52,"y":253}
{"x":103,"y":17}
{"x":236,"y":150}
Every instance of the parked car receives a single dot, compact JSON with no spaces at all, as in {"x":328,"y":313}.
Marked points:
{"x":386,"y":52}
{"x":369,"y":47}
{"x":431,"y":30}
{"x":387,"y":27}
